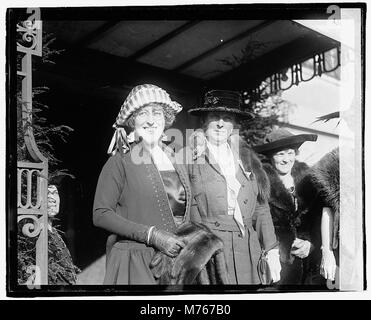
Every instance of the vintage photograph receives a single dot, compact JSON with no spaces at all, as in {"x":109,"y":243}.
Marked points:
{"x":185,"y":149}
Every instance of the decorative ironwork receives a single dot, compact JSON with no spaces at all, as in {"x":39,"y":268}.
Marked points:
{"x":31,"y":183}
{"x":30,"y":32}
{"x":32,"y":177}
{"x":324,"y":62}
{"x":31,"y":229}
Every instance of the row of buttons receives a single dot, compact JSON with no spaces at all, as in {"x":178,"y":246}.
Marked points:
{"x":162,"y":206}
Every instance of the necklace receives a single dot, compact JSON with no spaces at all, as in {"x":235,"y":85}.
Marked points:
{"x":291,"y":190}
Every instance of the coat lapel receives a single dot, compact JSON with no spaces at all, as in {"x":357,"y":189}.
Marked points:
{"x":238,"y":163}
{"x":212,"y":161}
{"x":214,"y":164}
{"x":183,"y":176}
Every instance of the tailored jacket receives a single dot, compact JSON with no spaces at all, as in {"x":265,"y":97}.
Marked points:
{"x":209,"y":189}
{"x":130,"y":197}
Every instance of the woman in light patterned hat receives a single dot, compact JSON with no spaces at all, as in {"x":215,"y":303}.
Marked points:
{"x":143,"y":194}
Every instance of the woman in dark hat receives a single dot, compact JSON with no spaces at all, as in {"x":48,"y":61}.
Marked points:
{"x":231,"y":189}
{"x":291,"y":198}
{"x":143,"y":195}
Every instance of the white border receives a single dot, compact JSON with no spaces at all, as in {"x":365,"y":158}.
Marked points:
{"x":285,"y":296}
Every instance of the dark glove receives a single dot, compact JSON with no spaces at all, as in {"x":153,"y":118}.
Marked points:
{"x":165,"y":242}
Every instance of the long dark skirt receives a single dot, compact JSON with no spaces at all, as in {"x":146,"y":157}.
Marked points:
{"x":128,"y":264}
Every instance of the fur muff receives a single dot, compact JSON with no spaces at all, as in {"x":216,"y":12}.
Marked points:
{"x":325,"y":174}
{"x":201,"y":261}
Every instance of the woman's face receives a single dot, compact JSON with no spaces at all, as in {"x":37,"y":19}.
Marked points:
{"x":149,"y":123}
{"x":219,"y":127}
{"x":284,"y":160}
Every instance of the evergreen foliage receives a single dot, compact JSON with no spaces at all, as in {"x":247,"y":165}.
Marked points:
{"x":267,"y":107}
{"x":61,"y":270}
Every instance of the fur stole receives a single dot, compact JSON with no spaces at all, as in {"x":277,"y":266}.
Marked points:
{"x":279,"y":195}
{"x":283,"y":209}
{"x":201,"y":261}
{"x":326,"y":177}
{"x":325,"y":174}
{"x":251,"y":162}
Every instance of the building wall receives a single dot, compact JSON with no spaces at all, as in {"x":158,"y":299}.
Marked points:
{"x":310,"y":100}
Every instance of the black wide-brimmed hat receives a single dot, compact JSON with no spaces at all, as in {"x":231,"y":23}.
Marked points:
{"x":281,"y":139}
{"x":222,"y":101}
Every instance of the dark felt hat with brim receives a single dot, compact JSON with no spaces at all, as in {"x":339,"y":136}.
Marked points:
{"x":281,"y":139}
{"x":222,"y":101}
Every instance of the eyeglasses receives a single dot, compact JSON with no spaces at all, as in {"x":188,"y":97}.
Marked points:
{"x":157,"y":114}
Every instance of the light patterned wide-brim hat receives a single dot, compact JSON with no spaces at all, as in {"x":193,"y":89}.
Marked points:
{"x":139,"y":97}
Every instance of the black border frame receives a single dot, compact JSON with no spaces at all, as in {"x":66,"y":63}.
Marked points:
{"x":264,"y":11}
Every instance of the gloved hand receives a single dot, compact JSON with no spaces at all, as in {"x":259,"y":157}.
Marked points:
{"x":301,"y":248}
{"x":328,"y":264}
{"x":273,"y":259}
{"x":165,"y":242}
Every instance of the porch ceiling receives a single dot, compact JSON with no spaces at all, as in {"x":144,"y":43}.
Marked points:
{"x":242,"y":51}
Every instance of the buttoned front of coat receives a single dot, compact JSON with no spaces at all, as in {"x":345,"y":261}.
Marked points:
{"x":209,"y":189}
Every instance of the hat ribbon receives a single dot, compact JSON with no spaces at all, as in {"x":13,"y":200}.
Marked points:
{"x":120,"y":141}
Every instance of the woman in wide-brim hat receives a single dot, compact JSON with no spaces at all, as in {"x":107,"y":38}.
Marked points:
{"x":231,"y":189}
{"x":291,"y":199}
{"x":143,"y":194}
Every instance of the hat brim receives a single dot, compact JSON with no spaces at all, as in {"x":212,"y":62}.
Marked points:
{"x":198,"y":111}
{"x":293,"y":142}
{"x":173,"y":106}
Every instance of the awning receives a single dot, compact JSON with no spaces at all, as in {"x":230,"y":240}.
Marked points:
{"x":235,"y":54}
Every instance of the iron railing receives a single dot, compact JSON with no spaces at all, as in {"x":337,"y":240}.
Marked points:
{"x":32,"y":177}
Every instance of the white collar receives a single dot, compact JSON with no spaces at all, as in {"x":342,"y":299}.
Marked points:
{"x":160,"y":159}
{"x":223,"y":155}
{"x":220,"y":151}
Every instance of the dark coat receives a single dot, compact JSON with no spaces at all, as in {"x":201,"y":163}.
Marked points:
{"x":294,"y":220}
{"x":129,"y":198}
{"x":326,"y":177}
{"x":210,"y":207}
